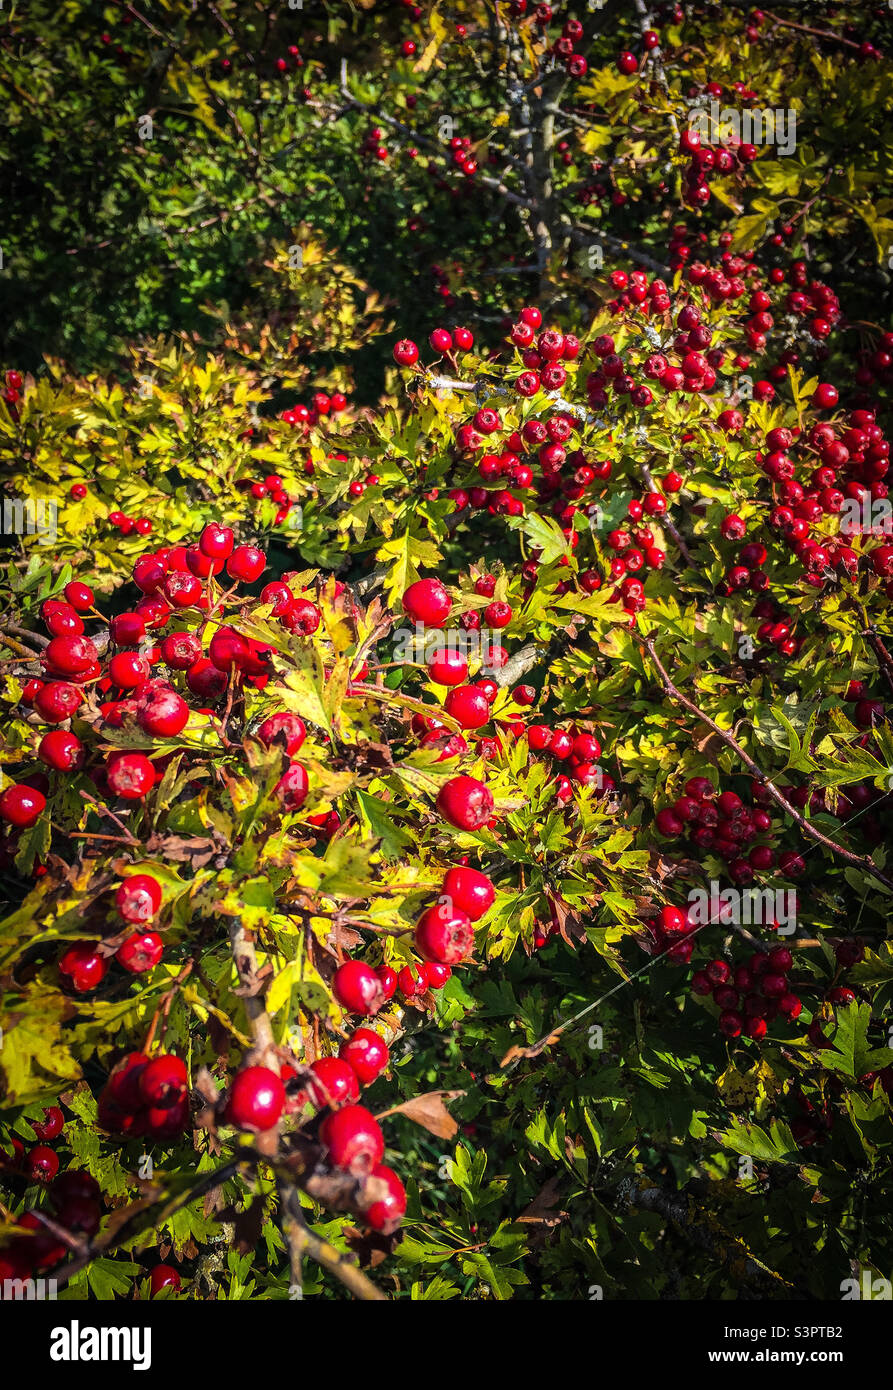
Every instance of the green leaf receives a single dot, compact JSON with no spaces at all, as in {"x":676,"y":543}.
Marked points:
{"x":852,"y":1053}
{"x":111,"y":1279}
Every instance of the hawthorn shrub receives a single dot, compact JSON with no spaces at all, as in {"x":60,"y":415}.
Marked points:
{"x":267,"y":820}
{"x":154,"y":162}
{"x":446,"y":793}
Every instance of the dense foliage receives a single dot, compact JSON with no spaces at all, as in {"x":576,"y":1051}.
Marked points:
{"x":488,"y":735}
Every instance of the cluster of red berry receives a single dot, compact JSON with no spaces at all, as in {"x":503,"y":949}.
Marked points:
{"x":146,"y":1096}
{"x":565,"y":47}
{"x":40,"y":1163}
{"x":74,"y":1205}
{"x":352,"y":1138}
{"x":321,"y":405}
{"x":12,"y":391}
{"x":752,"y":994}
{"x":706,"y":160}
{"x":721,"y":823}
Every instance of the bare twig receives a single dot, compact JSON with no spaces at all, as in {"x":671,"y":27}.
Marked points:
{"x":301,"y":1240}
{"x":860,"y":861}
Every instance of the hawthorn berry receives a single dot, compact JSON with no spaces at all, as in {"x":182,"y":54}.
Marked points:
{"x":444,"y":934}
{"x":427,"y":602}
{"x":336,"y":1084}
{"x":465,"y":802}
{"x":385,"y":1213}
{"x":353,"y":1139}
{"x":358,"y":988}
{"x":469,"y":890}
{"x":50,"y":1127}
{"x":163,"y":1277}
{"x":82,"y":967}
{"x":131,"y":776}
{"x":21,"y":805}
{"x":162,"y":1081}
{"x":138,"y":898}
{"x":246,"y":564}
{"x":140,"y":952}
{"x":367,"y":1053}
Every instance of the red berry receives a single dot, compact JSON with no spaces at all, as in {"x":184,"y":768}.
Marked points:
{"x":70,"y":655}
{"x":497,"y":615}
{"x":465,"y":802}
{"x":228,"y":648}
{"x":21,"y":806}
{"x":412,"y":980}
{"x":444,"y":934}
{"x":673,"y":920}
{"x":130,"y":775}
{"x":353,"y":1138}
{"x":337,"y":1083}
{"x":73,"y":1183}
{"x":282,"y":730}
{"x":61,"y":619}
{"x":216,"y":541}
{"x":387,"y":979}
{"x":385,"y":1214}
{"x":448,"y":668}
{"x":358,"y":988}
{"x":668,"y":823}
{"x":57,"y":701}
{"x":367,"y":1054}
{"x":182,"y":590}
{"x":41,"y":1163}
{"x":80,"y":1215}
{"x":850,"y":952}
{"x":162,"y":1082}
{"x":162,"y":713}
{"x":469,"y":890}
{"x":427,"y":601}
{"x":127,"y":670}
{"x":123,"y":1086}
{"x":205,"y":680}
{"x":140,"y":952}
{"x":406,"y":354}
{"x":163,"y":1277}
{"x":256,"y":1100}
{"x":293,"y":786}
{"x":80,"y":596}
{"x":83,"y":967}
{"x":50,"y":1127}
{"x":180,"y":650}
{"x":303,"y":617}
{"x":127,"y":629}
{"x":246,"y":563}
{"x":468,"y":706}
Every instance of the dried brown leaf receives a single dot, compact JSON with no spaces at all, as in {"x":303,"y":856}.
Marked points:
{"x":430,"y":1112}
